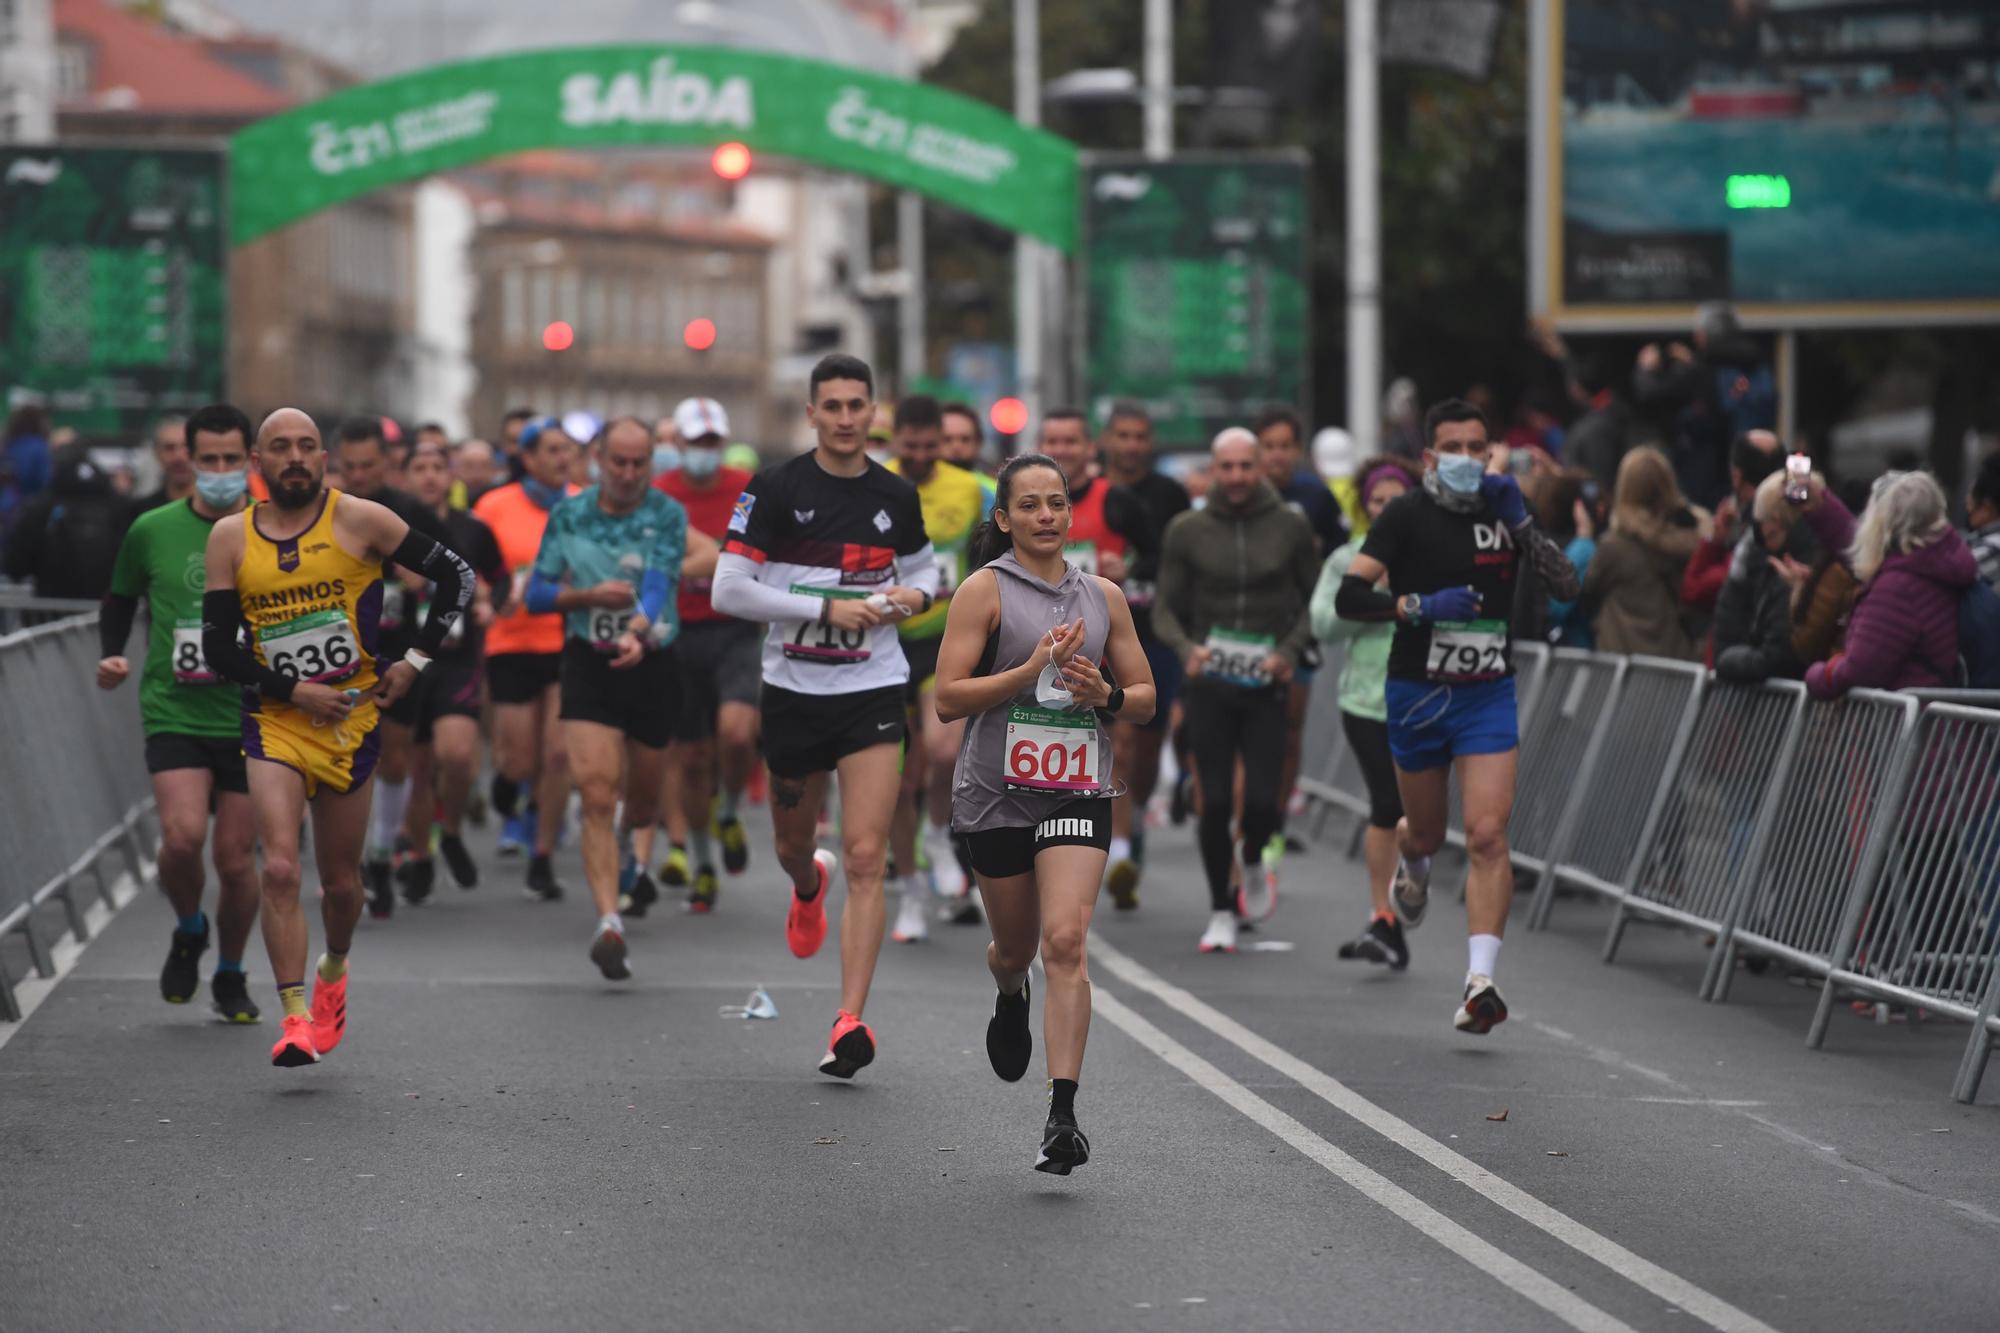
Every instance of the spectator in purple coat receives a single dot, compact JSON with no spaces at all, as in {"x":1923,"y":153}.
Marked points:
{"x":1913,"y":567}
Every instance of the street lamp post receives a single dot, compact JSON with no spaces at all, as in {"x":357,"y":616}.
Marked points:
{"x":1364,"y":233}
{"x":1028,"y":252}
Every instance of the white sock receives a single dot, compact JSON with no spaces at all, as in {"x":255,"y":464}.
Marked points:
{"x":913,"y":886}
{"x":392,"y":799}
{"x":727,"y":806}
{"x":698,"y":844}
{"x":1483,"y":951}
{"x":1121,"y":850}
{"x":1019,"y":980}
{"x":611,"y":921}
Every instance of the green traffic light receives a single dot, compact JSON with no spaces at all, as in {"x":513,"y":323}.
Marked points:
{"x":1759,"y":192}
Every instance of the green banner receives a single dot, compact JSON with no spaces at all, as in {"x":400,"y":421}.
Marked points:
{"x":112,"y":307}
{"x":1195,"y":292}
{"x":951,"y":148}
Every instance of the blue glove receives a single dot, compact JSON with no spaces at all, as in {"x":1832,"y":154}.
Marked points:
{"x":1503,"y":497}
{"x":1451,"y":604}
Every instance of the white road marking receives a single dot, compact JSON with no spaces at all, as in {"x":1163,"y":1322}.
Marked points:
{"x":31,"y":991}
{"x":1643,"y":1273}
{"x":1495,"y":1263}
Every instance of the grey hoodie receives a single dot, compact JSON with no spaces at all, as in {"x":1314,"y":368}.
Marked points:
{"x":1250,"y":567}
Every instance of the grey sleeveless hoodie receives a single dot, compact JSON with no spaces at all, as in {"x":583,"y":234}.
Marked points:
{"x":1029,"y":609}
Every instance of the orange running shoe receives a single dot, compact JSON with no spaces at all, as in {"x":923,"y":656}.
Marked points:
{"x":850,"y":1046}
{"x":295,"y":1043}
{"x":805,"y":924}
{"x":329,"y":1012}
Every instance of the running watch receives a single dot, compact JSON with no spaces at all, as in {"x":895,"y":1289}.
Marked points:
{"x":1412,"y":607}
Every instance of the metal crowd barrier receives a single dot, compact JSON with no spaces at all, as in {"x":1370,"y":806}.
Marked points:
{"x":1857,"y":841}
{"x":76,"y":789}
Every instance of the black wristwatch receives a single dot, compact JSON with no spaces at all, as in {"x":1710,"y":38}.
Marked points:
{"x":1116,"y":701}
{"x":1412,"y":607}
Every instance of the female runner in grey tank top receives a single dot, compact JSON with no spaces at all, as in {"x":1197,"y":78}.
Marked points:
{"x":1031,"y":648}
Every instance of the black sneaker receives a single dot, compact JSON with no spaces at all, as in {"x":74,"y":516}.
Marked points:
{"x":735,"y":844}
{"x":1064,"y":1148}
{"x":1382,"y":942}
{"x":1009,"y":1044}
{"x":180,"y":979}
{"x":542,"y":885}
{"x":417,"y":875}
{"x":964,"y":912}
{"x":464,"y":871}
{"x":231,"y":993}
{"x":376,"y":875}
{"x":703,"y":892}
{"x":642,"y":894}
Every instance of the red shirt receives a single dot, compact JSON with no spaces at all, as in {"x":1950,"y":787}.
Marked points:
{"x":708,"y":511}
{"x":1087,"y":526}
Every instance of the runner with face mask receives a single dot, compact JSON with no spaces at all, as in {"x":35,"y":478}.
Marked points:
{"x":1450,"y":552}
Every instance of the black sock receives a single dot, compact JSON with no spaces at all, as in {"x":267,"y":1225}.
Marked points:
{"x":1062,"y":1097}
{"x":506,"y":796}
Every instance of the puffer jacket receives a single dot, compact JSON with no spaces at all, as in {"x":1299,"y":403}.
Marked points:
{"x":1753,"y":616}
{"x":1633,"y":588}
{"x":1903,"y":632}
{"x":1250,"y":567}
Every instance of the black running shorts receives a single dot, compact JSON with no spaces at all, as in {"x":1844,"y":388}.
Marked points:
{"x":1001,"y":853}
{"x":222,"y":756}
{"x":805,"y":734}
{"x":448,"y":687}
{"x":642,"y":700}
{"x":721,"y":662}
{"x":520,"y":678}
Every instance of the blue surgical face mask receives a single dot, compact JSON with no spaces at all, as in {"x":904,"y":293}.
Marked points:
{"x":666,"y":457}
{"x":701,"y":464}
{"x":221,"y":490}
{"x":1460,"y":474}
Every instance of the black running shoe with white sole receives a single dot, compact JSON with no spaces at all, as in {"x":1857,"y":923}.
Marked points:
{"x":230,"y":992}
{"x":542,"y":883}
{"x":180,"y":978}
{"x":1482,"y":1010}
{"x":1009,"y":1043}
{"x":1382,"y":942}
{"x":417,"y":875}
{"x":1064,"y":1148}
{"x":607,"y":950}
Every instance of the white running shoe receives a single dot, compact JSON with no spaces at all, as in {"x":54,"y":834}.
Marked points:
{"x":1410,"y":892}
{"x":1482,"y":1010}
{"x":912,"y":925}
{"x":1220,"y":937}
{"x":947,"y":879}
{"x":1250,"y":906}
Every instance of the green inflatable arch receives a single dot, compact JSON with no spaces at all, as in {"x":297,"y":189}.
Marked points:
{"x":950,"y":148}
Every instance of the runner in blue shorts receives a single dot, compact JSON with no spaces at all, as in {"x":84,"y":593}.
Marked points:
{"x":1450,"y":553}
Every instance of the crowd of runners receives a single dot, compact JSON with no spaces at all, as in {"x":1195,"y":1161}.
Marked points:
{"x":956,"y":692}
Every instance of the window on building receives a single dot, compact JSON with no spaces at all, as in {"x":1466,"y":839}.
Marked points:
{"x":74,"y":60}
{"x":515,"y":326}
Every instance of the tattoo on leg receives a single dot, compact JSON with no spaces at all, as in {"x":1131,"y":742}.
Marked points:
{"x":787,"y":793}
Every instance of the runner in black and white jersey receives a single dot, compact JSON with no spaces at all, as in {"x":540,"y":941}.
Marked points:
{"x":830,"y":550}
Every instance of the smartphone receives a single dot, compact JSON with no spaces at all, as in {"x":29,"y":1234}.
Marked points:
{"x":1798,"y":476}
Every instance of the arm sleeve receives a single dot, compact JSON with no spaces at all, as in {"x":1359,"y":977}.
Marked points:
{"x":540,"y":597}
{"x":663,"y":563}
{"x":452,"y":583}
{"x":1173,"y":591}
{"x":114,"y":623}
{"x":738,"y":592}
{"x":222,"y":646}
{"x":1358,"y":602}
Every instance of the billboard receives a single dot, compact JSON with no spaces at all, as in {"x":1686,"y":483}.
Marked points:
{"x":1817,"y":162}
{"x":112,"y":300}
{"x":1196,"y":300}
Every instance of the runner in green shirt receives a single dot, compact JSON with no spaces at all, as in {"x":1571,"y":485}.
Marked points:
{"x":192,"y":718}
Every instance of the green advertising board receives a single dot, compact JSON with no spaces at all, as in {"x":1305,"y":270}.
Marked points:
{"x":950,"y":148}
{"x":1196,"y":302}
{"x":112,"y":304}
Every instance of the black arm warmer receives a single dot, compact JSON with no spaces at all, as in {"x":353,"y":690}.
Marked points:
{"x":114,"y":624}
{"x":222,"y":645}
{"x":453,"y":591}
{"x":1360,"y":600}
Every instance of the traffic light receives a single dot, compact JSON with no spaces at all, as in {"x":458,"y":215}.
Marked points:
{"x":731,"y":161}
{"x":699,"y":335}
{"x":558,"y":336}
{"x":1009,"y":416}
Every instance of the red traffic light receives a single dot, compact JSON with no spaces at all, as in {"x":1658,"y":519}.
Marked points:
{"x":558,"y":336}
{"x":731,"y":161}
{"x":1009,"y":416}
{"x":699,"y":334}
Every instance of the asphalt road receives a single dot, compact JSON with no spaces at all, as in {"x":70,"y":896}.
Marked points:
{"x":505,"y":1141}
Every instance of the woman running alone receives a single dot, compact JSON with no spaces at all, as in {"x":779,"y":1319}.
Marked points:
{"x":1031,"y":649}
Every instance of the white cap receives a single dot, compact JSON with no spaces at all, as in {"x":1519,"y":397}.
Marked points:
{"x":696,"y":417}
{"x":1333,"y":453}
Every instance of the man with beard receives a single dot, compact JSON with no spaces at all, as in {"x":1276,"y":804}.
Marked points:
{"x":366,"y":462}
{"x":304,"y":571}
